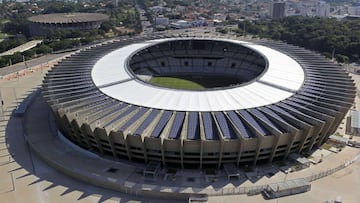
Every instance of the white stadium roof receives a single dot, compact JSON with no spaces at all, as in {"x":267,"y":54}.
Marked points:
{"x":283,"y":77}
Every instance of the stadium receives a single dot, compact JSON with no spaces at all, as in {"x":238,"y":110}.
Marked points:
{"x":43,"y":24}
{"x":198,"y":102}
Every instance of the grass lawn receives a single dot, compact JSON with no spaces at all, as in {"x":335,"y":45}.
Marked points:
{"x":176,"y":83}
{"x":3,"y":21}
{"x":2,"y":35}
{"x":326,"y":146}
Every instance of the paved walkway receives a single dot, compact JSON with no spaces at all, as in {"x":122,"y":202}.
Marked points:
{"x":32,"y":65}
{"x":26,"y":178}
{"x":22,"y":48}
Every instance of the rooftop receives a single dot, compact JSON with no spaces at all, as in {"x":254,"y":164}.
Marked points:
{"x":68,"y":17}
{"x":282,"y":79}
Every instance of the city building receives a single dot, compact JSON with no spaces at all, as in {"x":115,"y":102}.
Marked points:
{"x":258,"y":104}
{"x":322,"y":9}
{"x":180,"y":24}
{"x":354,"y":119}
{"x":43,"y":24}
{"x":277,"y":9}
{"x":354,"y":10}
{"x":161,"y":20}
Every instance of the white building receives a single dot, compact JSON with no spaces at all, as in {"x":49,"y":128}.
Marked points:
{"x":322,"y":9}
{"x":354,"y":10}
{"x":161,"y":20}
{"x":180,"y":24}
{"x":354,"y":122}
{"x":299,"y":8}
{"x":219,"y":16}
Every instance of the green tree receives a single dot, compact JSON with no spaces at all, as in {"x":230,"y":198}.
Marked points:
{"x":43,"y":49}
{"x":28,"y":54}
{"x":319,"y":34}
{"x":342,"y":59}
{"x":106,"y":26}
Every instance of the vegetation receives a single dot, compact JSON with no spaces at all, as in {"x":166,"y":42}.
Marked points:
{"x":338,"y":134}
{"x":222,"y":30}
{"x":29,"y":54}
{"x":68,"y":7}
{"x":2,"y":35}
{"x":17,"y":25}
{"x":124,"y":19}
{"x":55,"y":41}
{"x":68,"y":39}
{"x":7,"y":60}
{"x":326,"y":146}
{"x":325,"y":35}
{"x":176,"y":83}
{"x":125,"y":16}
{"x":11,"y":43}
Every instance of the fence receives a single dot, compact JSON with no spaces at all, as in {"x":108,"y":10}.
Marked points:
{"x":333,"y":170}
{"x":253,"y":190}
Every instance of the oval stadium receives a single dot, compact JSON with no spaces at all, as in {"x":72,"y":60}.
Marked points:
{"x":198,"y":102}
{"x":43,"y":24}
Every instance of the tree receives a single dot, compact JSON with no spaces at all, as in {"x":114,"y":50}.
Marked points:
{"x":28,"y":54}
{"x":43,"y":49}
{"x":16,"y":57}
{"x":318,"y":34}
{"x":341,"y":58}
{"x":17,"y":25}
{"x":106,"y":26}
{"x":221,"y":30}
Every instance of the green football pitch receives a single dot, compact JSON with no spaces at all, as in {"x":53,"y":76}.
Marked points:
{"x":176,"y":83}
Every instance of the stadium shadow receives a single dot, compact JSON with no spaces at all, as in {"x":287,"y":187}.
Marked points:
{"x":28,"y":169}
{"x":36,"y":172}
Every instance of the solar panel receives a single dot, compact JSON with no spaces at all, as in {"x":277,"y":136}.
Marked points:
{"x":305,"y":109}
{"x":244,"y":131}
{"x":295,"y":105}
{"x":133,"y":119}
{"x":147,"y":121}
{"x":321,"y":98}
{"x":118,"y":108}
{"x":90,"y":103}
{"x":274,"y":115}
{"x":209,"y":127}
{"x":317,"y":102}
{"x":305,"y":118}
{"x":126,"y":112}
{"x":99,"y":108}
{"x":276,"y":108}
{"x":225,"y":128}
{"x":193,"y":126}
{"x":261,"y":129}
{"x":176,"y":126}
{"x":285,"y":106}
{"x":261,"y":116}
{"x":320,"y":89}
{"x":293,"y":120}
{"x":161,"y":124}
{"x":312,"y":106}
{"x":320,"y":93}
